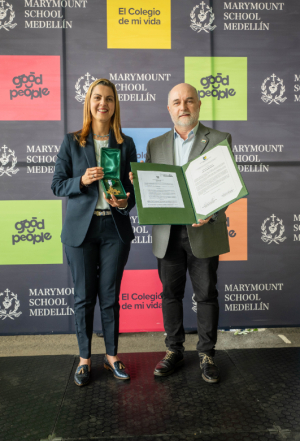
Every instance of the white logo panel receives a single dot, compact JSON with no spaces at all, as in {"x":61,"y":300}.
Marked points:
{"x":272,"y":90}
{"x":272,"y":230}
{"x":8,"y":161}
{"x":80,"y":96}
{"x":206,"y":19}
{"x":194,"y":308}
{"x":9,"y":306}
{"x":7,"y":16}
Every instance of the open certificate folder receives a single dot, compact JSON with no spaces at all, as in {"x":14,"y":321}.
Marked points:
{"x":170,"y":194}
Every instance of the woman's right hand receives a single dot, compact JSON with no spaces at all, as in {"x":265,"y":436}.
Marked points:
{"x":91,"y":175}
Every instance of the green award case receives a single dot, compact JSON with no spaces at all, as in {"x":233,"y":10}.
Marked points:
{"x":111,"y":163}
{"x":178,"y":216}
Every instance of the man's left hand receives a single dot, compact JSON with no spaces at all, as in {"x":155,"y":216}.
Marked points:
{"x":202,"y":222}
{"x":118,"y":203}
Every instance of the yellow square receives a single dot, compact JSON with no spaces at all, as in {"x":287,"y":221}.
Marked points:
{"x":132,"y":24}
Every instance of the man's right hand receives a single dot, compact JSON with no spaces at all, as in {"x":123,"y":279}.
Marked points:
{"x":131,"y":176}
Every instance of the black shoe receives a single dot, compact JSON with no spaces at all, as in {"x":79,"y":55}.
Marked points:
{"x":82,"y":375}
{"x":210,"y":371}
{"x":168,"y":364}
{"x":118,"y":370}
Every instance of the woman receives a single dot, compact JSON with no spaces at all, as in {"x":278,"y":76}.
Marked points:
{"x":97,"y":231}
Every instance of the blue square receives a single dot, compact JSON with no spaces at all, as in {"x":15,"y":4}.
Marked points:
{"x":141,"y":138}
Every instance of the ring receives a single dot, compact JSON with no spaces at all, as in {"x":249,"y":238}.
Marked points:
{"x":93,"y":176}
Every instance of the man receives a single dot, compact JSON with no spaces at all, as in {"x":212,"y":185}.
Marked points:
{"x":196,"y":247}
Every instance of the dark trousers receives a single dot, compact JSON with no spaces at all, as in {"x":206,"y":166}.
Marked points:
{"x":203,"y":273}
{"x":101,"y":246}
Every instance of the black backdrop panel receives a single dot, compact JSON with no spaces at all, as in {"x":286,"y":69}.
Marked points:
{"x":56,"y":49}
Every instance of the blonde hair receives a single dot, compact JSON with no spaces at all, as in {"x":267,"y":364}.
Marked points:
{"x":115,"y":122}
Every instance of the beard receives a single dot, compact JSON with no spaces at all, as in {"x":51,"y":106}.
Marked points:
{"x":188,"y":121}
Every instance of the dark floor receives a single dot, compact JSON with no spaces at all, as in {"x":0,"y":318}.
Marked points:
{"x":258,"y":399}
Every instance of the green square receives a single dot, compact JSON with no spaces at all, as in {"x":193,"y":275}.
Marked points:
{"x":30,"y":232}
{"x":226,"y":78}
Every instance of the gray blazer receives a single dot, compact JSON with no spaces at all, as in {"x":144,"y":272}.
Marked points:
{"x":212,"y":238}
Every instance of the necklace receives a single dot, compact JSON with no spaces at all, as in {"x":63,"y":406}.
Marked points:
{"x":100,"y":136}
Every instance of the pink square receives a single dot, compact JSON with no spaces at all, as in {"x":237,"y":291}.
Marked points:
{"x":140,"y":301}
{"x":30,"y":88}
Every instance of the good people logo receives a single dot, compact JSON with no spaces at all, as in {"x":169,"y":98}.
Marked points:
{"x":29,"y":90}
{"x":31,"y":235}
{"x":31,"y":227}
{"x":222,"y":82}
{"x":216,"y":83}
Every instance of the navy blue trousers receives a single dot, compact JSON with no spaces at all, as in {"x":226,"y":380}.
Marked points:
{"x":203,"y":273}
{"x":101,"y":247}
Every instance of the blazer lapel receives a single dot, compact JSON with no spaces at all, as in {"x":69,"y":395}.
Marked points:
{"x":112,"y":144}
{"x":200,"y":143}
{"x":89,"y":151}
{"x":168,"y":148}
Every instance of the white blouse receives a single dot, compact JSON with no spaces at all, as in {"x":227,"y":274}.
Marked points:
{"x":99,"y":145}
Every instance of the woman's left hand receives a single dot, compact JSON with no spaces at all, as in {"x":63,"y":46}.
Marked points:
{"x":118,"y":203}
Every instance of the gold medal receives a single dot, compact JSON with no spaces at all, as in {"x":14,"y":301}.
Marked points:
{"x":111,"y":190}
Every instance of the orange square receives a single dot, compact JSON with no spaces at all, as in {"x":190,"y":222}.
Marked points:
{"x":140,"y":301}
{"x":237,"y":230}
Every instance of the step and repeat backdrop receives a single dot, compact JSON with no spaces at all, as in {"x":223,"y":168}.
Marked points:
{"x":243,"y":59}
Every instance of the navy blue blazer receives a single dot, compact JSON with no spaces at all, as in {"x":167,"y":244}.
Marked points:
{"x":72,"y":162}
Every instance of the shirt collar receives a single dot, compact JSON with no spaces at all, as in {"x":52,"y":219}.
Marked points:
{"x":191,"y":133}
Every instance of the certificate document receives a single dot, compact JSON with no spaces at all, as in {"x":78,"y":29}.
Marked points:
{"x":171,"y":194}
{"x":213,"y":180}
{"x":159,"y":189}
